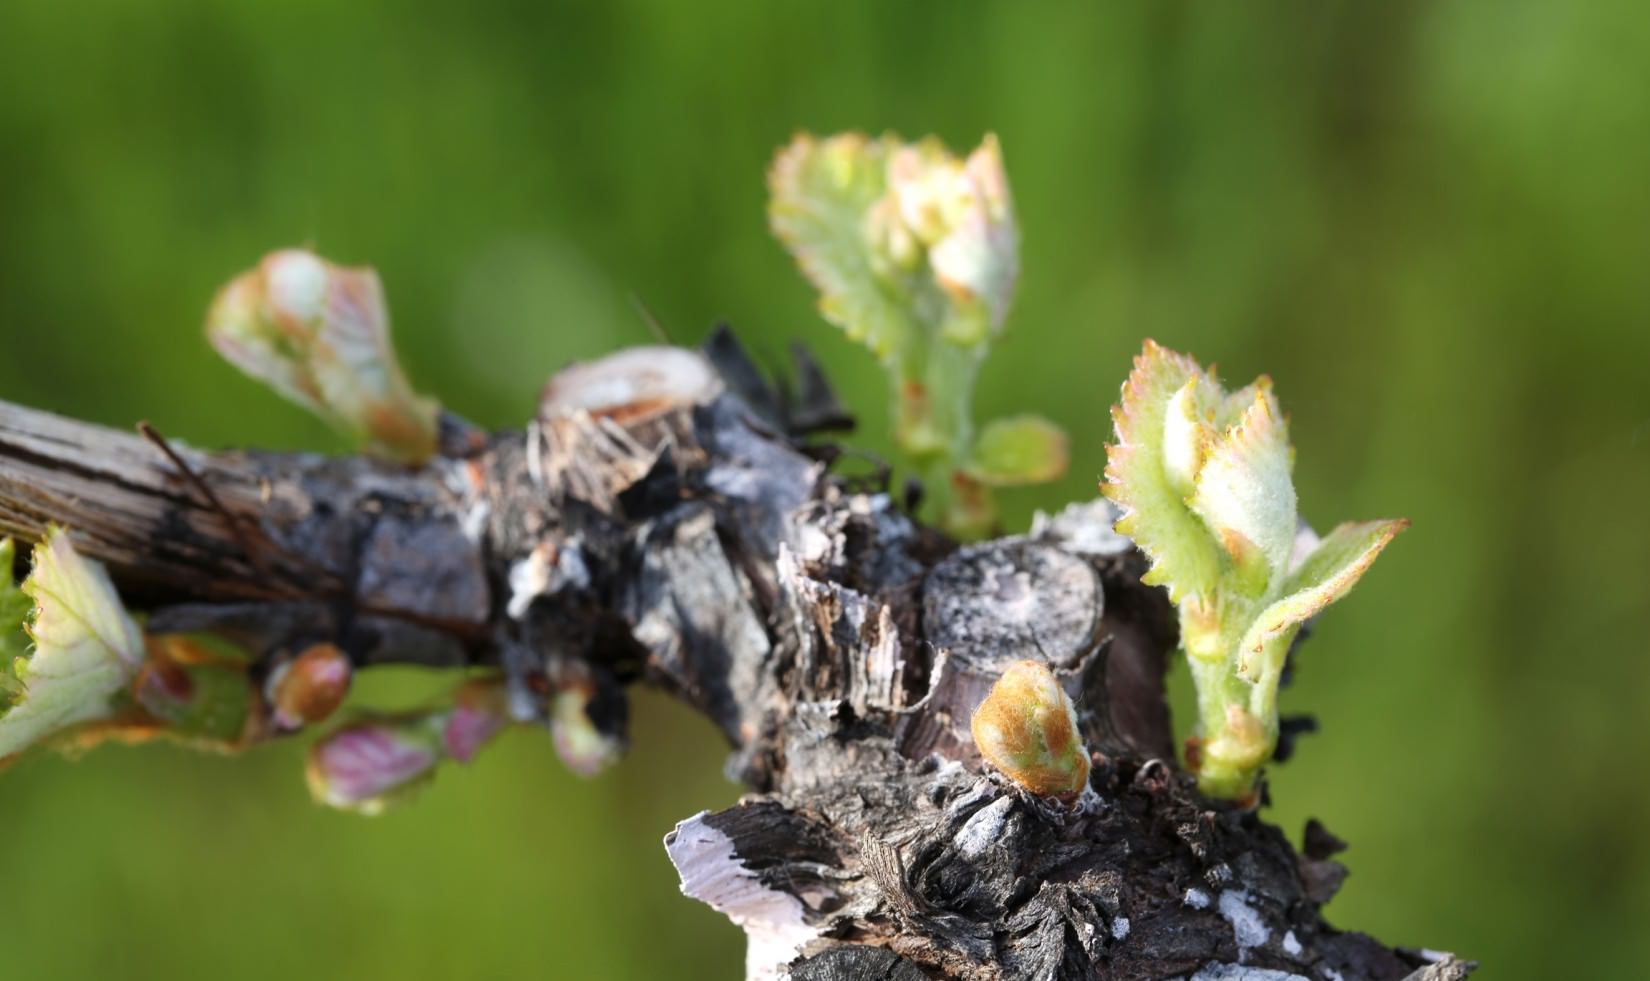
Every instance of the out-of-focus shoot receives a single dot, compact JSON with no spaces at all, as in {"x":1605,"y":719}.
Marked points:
{"x":319,"y":334}
{"x":915,"y":254}
{"x":381,"y":760}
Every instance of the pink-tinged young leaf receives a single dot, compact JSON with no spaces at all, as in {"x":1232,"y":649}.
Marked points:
{"x":1155,"y":513}
{"x":480,"y":712}
{"x":86,"y":647}
{"x":370,"y":765}
{"x":319,"y":335}
{"x":468,"y":729}
{"x":1329,"y":573}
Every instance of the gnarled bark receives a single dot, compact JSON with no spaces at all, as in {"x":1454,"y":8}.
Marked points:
{"x":654,"y":525}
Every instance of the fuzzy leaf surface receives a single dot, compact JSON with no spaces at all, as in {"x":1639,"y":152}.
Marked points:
{"x":1155,"y":514}
{"x":1245,"y":494}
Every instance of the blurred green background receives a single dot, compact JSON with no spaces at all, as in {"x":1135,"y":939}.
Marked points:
{"x":1429,"y":222}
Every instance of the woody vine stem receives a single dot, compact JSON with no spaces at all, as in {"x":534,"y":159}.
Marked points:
{"x":960,"y":760}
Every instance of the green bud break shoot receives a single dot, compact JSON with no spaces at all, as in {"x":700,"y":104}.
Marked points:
{"x":1203,"y":478}
{"x":915,"y":254}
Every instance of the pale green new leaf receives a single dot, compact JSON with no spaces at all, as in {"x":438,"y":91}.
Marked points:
{"x":1245,"y":495}
{"x":1155,"y":514}
{"x":86,"y":647}
{"x":820,"y":196}
{"x":1187,"y":435}
{"x":1023,"y":449}
{"x":1326,"y":575}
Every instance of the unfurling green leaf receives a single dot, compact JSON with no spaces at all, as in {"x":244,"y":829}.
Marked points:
{"x":1326,"y":575}
{"x":1019,"y":450}
{"x":86,"y":647}
{"x":1141,"y":480}
{"x":901,"y":240}
{"x":820,"y":196}
{"x":961,"y":213}
{"x":1203,"y":479}
{"x":319,"y":334}
{"x":1244,"y":494}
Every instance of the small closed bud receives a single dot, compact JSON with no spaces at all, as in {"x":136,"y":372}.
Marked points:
{"x":310,"y":687}
{"x":368,"y":766}
{"x":1027,"y":728}
{"x":319,"y":334}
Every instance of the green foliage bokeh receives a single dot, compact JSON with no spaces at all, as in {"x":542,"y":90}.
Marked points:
{"x":1430,"y":223}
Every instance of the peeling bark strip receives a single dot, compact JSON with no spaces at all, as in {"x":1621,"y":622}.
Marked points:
{"x":650,"y":525}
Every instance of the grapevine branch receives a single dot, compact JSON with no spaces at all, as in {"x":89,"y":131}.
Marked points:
{"x":663,"y":521}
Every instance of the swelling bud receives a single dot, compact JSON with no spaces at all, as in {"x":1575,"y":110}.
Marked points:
{"x":1027,"y":728}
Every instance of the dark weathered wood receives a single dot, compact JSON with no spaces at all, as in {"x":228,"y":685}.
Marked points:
{"x":649,"y":525}
{"x":854,"y":962}
{"x":386,"y":540}
{"x":124,"y":502}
